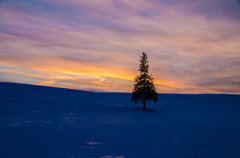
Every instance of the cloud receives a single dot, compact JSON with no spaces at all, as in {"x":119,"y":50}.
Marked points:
{"x":212,"y":10}
{"x":96,"y":45}
{"x":47,"y":83}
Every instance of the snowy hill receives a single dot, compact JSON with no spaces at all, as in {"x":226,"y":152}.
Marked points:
{"x":37,"y":121}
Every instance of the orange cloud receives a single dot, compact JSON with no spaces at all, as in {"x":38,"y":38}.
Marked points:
{"x":46,"y":83}
{"x":99,"y":51}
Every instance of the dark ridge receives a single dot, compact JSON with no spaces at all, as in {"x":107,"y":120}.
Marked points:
{"x":11,"y":85}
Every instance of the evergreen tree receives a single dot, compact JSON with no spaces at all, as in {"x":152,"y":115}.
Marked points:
{"x":144,"y":88}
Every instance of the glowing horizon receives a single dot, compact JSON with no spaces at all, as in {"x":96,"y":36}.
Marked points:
{"x":192,"y":46}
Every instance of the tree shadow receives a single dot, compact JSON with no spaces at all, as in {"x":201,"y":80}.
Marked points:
{"x":148,"y":110}
{"x":128,"y":108}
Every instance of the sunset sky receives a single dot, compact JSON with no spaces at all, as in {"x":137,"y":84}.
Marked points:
{"x":193,"y":46}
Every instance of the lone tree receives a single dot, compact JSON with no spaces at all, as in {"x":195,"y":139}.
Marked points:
{"x":144,"y":88}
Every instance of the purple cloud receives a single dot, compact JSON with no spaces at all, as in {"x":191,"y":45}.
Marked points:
{"x":96,"y":44}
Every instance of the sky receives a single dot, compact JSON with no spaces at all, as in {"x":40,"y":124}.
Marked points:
{"x":192,"y":46}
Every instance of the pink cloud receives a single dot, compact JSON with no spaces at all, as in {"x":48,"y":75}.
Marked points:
{"x":102,"y":40}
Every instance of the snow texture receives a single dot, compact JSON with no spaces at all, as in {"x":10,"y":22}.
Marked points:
{"x":44,"y":122}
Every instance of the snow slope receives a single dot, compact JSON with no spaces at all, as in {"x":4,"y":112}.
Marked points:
{"x":39,"y":122}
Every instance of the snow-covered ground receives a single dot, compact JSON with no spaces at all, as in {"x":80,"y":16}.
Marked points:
{"x":43,"y":122}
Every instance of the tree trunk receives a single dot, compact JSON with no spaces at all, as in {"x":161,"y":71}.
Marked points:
{"x":144,"y":103}
{"x":144,"y":94}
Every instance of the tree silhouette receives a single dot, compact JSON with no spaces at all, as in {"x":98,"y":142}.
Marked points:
{"x":144,"y":88}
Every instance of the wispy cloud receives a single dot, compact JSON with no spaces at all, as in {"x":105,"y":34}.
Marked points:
{"x":47,"y":83}
{"x":193,"y":45}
